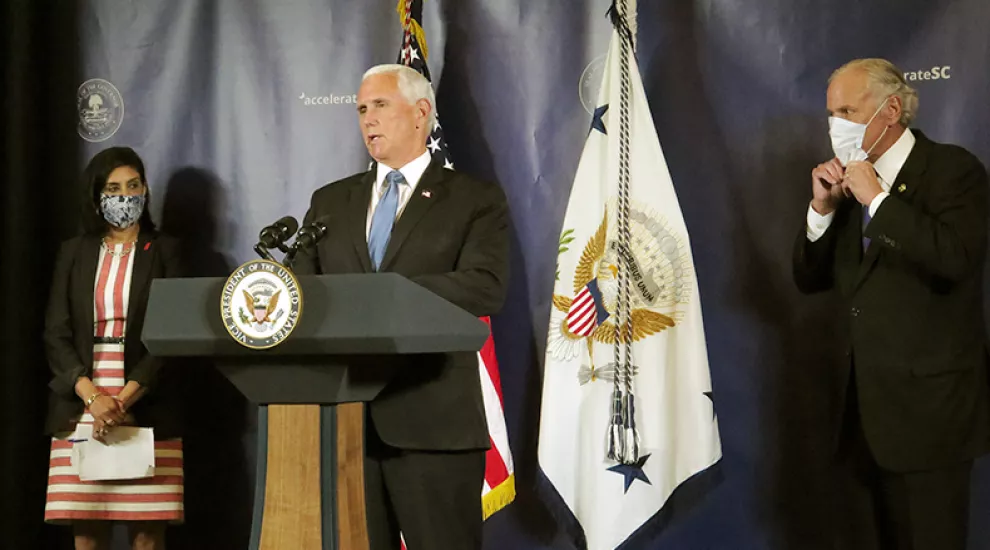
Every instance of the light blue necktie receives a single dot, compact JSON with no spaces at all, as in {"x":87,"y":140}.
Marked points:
{"x":383,"y":219}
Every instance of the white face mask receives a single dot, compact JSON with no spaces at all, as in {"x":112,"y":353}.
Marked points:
{"x":847,"y":137}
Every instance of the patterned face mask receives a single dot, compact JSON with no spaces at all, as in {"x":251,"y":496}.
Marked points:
{"x":122,"y":211}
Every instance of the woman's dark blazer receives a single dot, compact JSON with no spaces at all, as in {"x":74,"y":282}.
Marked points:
{"x":69,"y":331}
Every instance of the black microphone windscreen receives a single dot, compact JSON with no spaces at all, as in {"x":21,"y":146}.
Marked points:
{"x":290,"y":224}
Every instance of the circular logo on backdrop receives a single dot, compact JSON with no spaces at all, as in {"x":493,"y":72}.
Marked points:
{"x":591,"y":83}
{"x":101,"y":109}
{"x":261,"y":304}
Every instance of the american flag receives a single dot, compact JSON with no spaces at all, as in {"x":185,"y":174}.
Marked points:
{"x":500,"y":487}
{"x":413,"y":54}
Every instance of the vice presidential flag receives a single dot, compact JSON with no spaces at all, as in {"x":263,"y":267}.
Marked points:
{"x":627,"y":412}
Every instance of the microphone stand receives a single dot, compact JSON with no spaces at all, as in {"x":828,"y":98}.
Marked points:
{"x":264,"y":253}
{"x":290,"y":256}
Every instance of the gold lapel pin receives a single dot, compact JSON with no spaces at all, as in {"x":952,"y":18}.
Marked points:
{"x":902,"y":188}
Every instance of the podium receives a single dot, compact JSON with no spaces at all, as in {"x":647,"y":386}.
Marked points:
{"x":310,"y":479}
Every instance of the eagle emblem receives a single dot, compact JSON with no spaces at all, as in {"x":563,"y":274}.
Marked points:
{"x":261,"y":299}
{"x":659,"y":274}
{"x":262,"y":312}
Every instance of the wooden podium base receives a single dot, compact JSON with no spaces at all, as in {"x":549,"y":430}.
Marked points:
{"x":352,"y":522}
{"x":293,"y":514}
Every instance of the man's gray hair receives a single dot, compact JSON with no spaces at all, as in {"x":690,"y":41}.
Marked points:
{"x":885,"y":80}
{"x":413,"y":85}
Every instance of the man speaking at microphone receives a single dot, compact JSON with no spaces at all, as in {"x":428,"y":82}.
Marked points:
{"x":897,"y":225}
{"x":426,"y":433}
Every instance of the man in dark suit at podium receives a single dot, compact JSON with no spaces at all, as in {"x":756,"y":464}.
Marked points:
{"x":426,"y":433}
{"x":898,"y":226}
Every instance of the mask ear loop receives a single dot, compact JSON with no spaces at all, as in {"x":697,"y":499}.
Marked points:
{"x":885,"y":128}
{"x":878,"y":140}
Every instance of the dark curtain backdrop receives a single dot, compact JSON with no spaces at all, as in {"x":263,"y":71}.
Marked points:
{"x":37,"y":152}
{"x":41,"y":156}
{"x":215,"y":104}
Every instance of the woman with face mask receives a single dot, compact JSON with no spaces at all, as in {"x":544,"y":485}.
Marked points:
{"x":102,"y":375}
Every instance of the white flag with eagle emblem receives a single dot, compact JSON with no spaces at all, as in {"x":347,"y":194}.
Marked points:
{"x":621,"y":429}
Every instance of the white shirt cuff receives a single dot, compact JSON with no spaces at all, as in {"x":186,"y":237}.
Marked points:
{"x":818,"y":224}
{"x":875,"y":204}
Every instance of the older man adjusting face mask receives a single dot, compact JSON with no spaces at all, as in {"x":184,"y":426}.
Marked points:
{"x":426,"y":433}
{"x":897,"y":225}
{"x":862,"y":127}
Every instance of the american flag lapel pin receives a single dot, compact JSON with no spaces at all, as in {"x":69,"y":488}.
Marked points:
{"x":426,"y":193}
{"x":147,"y":246}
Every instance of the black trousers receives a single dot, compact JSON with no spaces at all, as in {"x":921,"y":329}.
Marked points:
{"x":879,"y":509}
{"x":432,"y":497}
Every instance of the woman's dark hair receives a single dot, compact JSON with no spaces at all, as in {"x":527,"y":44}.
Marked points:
{"x":95,"y":178}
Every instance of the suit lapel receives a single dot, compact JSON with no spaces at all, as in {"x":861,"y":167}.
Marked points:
{"x":89,"y":260}
{"x":908,"y":181}
{"x":428,"y":192}
{"x":869,"y":256}
{"x":910,"y":178}
{"x":144,"y":251}
{"x":358,"y":218}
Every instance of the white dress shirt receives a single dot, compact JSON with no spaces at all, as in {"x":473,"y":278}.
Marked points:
{"x":887,"y":166}
{"x":412,"y":172}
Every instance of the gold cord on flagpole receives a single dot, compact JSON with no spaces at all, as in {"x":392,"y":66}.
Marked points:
{"x":412,"y":26}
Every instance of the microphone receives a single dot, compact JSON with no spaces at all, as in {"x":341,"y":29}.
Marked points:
{"x":307,"y":237}
{"x":310,"y":234}
{"x":275,"y":235}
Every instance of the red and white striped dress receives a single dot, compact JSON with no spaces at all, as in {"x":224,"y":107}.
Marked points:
{"x":155,"y":498}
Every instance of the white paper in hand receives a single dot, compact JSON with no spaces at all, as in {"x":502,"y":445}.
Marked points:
{"x":129,"y":453}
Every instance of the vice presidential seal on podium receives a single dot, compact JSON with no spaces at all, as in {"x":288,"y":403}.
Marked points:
{"x":261,"y":304}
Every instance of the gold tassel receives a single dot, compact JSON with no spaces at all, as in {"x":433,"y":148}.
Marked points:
{"x":499,"y":497}
{"x":421,"y":37}
{"x":417,"y":29}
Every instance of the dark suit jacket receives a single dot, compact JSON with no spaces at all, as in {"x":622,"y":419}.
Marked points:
{"x":455,"y":244}
{"x":913,"y":311}
{"x":69,"y":331}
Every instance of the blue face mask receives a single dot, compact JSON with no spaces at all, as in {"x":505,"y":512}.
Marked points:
{"x":122,"y":211}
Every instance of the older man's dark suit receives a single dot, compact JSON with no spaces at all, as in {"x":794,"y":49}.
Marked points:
{"x":913,"y":319}
{"x":451,"y":238}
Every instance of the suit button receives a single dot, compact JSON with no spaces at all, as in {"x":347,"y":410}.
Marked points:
{"x":854,"y":312}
